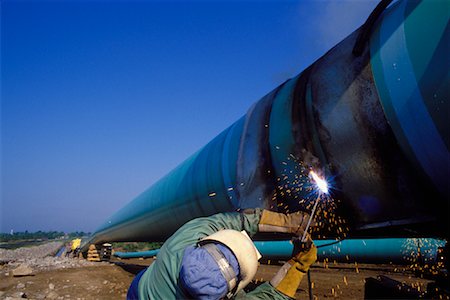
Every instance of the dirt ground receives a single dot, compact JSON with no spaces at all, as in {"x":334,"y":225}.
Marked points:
{"x":345,"y":281}
{"x":111,"y":280}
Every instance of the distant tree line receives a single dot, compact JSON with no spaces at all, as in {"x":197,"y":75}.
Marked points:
{"x":43,"y":235}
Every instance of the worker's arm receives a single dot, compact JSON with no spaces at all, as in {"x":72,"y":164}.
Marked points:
{"x":293,"y":223}
{"x":193,"y":231}
{"x":250,"y":220}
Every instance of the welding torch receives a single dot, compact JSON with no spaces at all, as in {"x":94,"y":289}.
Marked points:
{"x":305,"y":243}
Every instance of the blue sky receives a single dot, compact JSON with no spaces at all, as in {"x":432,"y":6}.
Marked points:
{"x":100,"y":99}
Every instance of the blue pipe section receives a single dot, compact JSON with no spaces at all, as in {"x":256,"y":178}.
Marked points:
{"x":391,"y":250}
{"x":125,"y":255}
{"x":395,"y":250}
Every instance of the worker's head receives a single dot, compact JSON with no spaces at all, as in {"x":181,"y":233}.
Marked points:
{"x":219,"y":266}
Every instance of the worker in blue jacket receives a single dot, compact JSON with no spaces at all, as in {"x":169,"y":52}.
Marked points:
{"x":214,"y":258}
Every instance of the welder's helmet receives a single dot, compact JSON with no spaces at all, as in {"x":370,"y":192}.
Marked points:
{"x":221,"y":265}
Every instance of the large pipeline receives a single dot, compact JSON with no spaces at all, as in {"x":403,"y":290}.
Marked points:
{"x":371,"y":114}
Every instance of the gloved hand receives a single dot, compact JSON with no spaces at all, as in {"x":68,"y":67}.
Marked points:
{"x":288,"y":278}
{"x":278,"y":222}
{"x":305,"y":254}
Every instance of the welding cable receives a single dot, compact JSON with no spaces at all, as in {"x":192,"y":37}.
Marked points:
{"x":329,"y":244}
{"x":310,"y":292}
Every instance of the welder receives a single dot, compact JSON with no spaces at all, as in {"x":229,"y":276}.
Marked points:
{"x":214,"y":258}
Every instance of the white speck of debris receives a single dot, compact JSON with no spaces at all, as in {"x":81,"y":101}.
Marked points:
{"x":52,"y":295}
{"x":20,"y":285}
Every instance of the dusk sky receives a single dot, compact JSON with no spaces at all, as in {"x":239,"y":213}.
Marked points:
{"x":100,"y":99}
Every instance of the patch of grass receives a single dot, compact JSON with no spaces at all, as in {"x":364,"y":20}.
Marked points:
{"x":22,"y":243}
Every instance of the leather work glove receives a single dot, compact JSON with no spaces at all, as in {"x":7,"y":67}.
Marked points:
{"x":294,"y":223}
{"x":288,"y":278}
{"x":305,"y":254}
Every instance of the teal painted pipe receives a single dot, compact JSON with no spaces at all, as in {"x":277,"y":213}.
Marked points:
{"x":125,"y":255}
{"x":373,"y":121}
{"x":392,"y":250}
{"x":395,"y":250}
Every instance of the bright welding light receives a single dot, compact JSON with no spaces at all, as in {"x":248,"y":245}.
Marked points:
{"x":321,"y":184}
